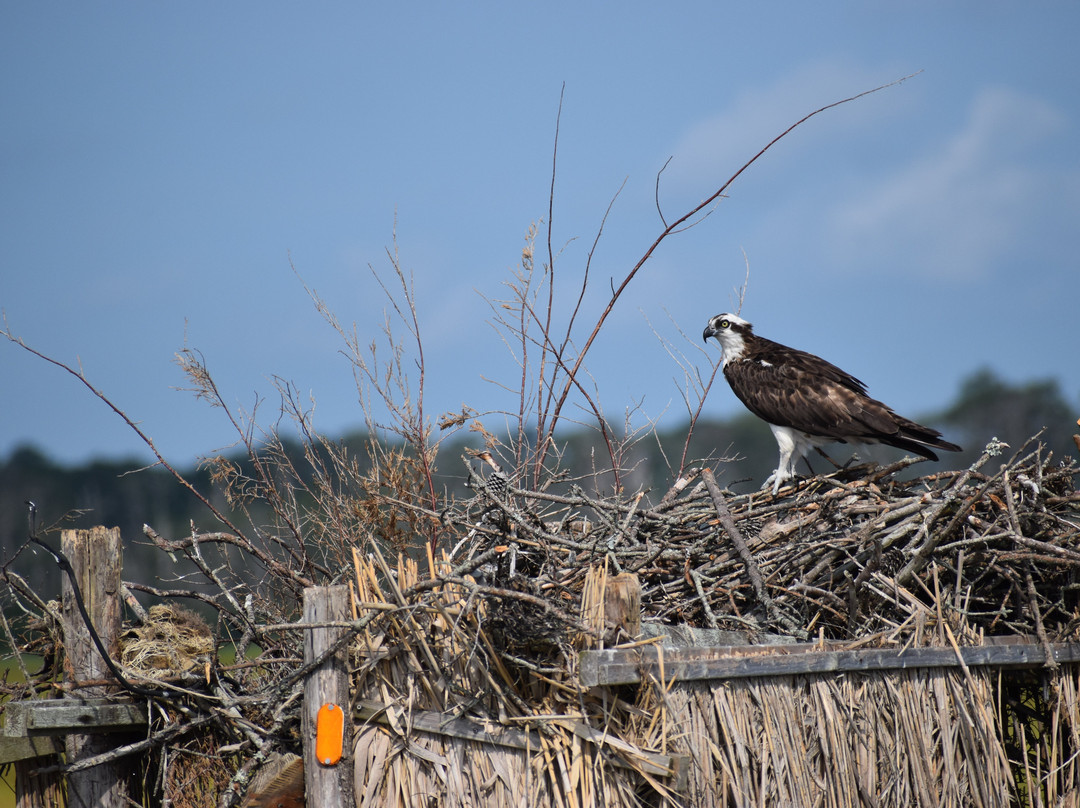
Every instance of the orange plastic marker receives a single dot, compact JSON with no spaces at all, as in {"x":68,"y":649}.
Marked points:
{"x":329,"y":734}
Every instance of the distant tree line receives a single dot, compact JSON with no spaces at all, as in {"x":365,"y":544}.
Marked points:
{"x":741,"y":449}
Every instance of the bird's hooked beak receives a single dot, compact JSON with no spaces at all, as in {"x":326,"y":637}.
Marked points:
{"x":709,"y":332}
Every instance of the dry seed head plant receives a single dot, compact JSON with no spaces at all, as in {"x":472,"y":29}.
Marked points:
{"x":468,"y":612}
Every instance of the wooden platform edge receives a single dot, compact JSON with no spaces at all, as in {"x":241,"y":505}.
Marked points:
{"x":630,"y":666}
{"x":16,"y":748}
{"x":660,"y":765}
{"x":65,"y":716}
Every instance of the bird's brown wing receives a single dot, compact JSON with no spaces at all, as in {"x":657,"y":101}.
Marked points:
{"x":787,"y":387}
{"x":795,"y":389}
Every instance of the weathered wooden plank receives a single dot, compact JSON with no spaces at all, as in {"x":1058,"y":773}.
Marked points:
{"x":64,"y":716}
{"x":674,"y":766}
{"x":14,"y":748}
{"x":327,"y":684}
{"x":626,"y":666}
{"x":464,"y":728}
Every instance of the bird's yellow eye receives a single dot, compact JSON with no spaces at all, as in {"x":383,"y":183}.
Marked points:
{"x":725,"y":324}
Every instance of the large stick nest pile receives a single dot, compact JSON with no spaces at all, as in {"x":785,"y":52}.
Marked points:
{"x":844,"y":555}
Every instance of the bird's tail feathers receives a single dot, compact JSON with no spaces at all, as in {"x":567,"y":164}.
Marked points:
{"x":921,"y":440}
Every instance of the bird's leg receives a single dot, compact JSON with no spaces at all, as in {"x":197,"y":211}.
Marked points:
{"x":790,"y":451}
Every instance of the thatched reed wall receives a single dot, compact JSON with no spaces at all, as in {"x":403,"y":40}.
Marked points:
{"x":943,"y":736}
{"x":910,"y":737}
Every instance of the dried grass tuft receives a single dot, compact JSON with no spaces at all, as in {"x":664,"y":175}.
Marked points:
{"x":171,"y":641}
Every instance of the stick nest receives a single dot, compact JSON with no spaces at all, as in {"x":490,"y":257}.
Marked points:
{"x":846,"y":555}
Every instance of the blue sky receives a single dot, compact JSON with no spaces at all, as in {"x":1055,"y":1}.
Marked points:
{"x":162,"y":165}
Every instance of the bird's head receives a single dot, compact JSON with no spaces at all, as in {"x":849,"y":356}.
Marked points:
{"x":730,"y":331}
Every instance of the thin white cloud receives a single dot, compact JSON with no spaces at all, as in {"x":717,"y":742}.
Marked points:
{"x":957,"y":210}
{"x":714,"y":148}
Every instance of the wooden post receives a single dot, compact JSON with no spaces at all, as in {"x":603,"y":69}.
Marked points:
{"x":96,"y":558}
{"x":622,"y":605}
{"x":328,"y":684}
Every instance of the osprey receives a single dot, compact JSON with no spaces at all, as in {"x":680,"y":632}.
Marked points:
{"x":808,"y":402}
